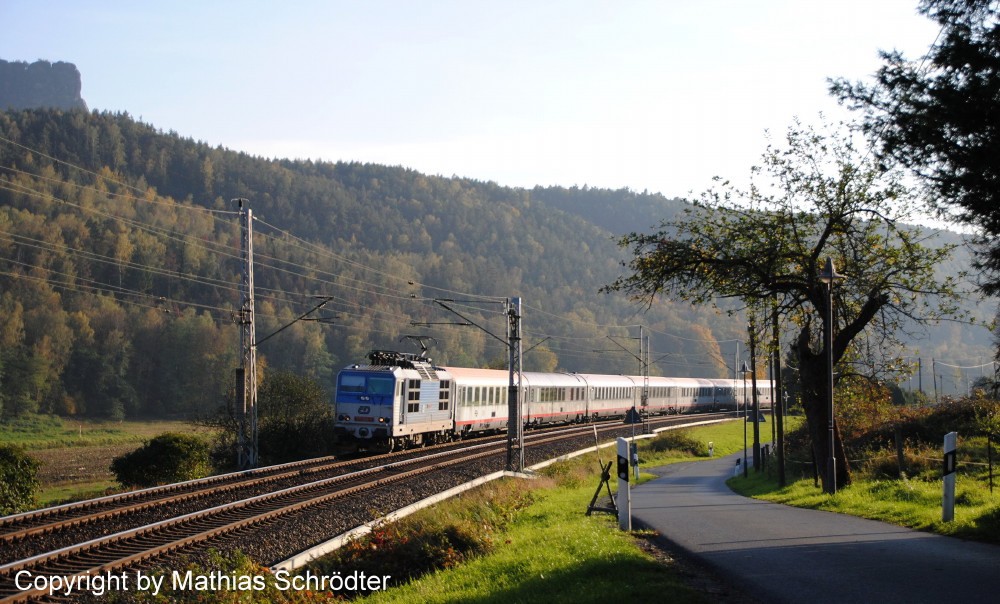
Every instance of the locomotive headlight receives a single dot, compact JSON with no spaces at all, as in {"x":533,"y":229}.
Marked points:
{"x":382,"y":420}
{"x":344,"y":418}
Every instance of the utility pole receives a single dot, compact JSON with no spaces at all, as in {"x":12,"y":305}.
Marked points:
{"x":752,"y":328}
{"x":246,"y":407}
{"x":777,"y":410}
{"x":515,"y":422}
{"x":515,"y":415}
{"x":645,"y":372}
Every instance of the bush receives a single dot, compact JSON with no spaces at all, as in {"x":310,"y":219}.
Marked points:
{"x":167,"y":458}
{"x":18,"y":480}
{"x":679,"y":441}
{"x":453,"y":532}
{"x":294,"y":421}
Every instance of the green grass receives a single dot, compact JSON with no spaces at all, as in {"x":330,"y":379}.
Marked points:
{"x":726,"y":438}
{"x":65,"y":493}
{"x":911,"y":503}
{"x":52,"y":432}
{"x":550,"y":552}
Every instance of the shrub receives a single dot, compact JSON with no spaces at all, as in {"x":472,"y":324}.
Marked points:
{"x":167,"y":458}
{"x":294,"y":421}
{"x":454,"y":532}
{"x":18,"y":480}
{"x":409,"y":549}
{"x":680,"y":441}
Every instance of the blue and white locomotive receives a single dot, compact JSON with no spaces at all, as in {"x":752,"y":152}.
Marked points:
{"x":401,"y":400}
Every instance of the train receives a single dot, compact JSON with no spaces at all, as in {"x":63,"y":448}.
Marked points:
{"x":400,"y":400}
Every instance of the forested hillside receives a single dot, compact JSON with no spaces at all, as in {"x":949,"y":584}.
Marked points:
{"x":119,"y":270}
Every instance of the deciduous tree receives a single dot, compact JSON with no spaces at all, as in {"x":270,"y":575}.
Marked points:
{"x":938,"y":115}
{"x":813,"y":198}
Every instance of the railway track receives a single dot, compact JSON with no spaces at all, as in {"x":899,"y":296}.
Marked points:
{"x":246,"y":510}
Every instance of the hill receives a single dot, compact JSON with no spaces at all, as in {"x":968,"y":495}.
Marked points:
{"x":119,"y":270}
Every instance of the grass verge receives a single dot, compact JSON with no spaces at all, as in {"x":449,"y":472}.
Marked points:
{"x":541,"y":548}
{"x":906,"y":502}
{"x":539,"y":544}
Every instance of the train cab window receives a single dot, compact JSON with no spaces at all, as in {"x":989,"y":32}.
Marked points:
{"x":382,"y":386}
{"x":352,"y":383}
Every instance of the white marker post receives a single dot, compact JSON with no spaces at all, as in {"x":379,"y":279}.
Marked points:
{"x":624,"y":499}
{"x":948,"y":504}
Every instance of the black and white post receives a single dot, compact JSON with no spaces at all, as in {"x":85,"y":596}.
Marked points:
{"x":948,"y":500}
{"x":624,"y":494}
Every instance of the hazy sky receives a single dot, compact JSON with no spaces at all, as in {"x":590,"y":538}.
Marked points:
{"x":658,"y":95}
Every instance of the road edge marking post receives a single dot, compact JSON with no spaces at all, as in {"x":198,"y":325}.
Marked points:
{"x":624,"y":494}
{"x":948,"y":498}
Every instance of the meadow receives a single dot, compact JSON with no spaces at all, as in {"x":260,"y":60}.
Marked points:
{"x":75,"y":455}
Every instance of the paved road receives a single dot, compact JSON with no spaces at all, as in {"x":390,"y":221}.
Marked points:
{"x":783,"y":554}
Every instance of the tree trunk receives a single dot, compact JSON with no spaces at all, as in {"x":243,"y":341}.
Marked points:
{"x":815,"y":377}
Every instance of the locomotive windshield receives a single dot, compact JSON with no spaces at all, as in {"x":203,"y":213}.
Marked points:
{"x":366,"y":384}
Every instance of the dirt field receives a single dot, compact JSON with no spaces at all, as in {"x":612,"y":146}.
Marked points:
{"x":78,"y":464}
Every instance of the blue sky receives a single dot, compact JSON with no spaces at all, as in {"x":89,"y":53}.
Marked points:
{"x":650,"y":95}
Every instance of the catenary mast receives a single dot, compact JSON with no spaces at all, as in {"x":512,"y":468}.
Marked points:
{"x":246,"y":407}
